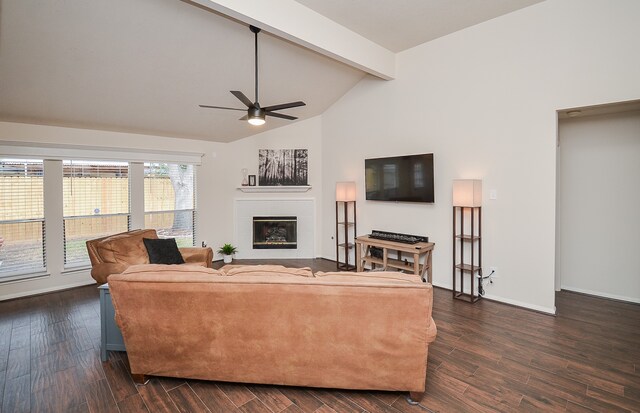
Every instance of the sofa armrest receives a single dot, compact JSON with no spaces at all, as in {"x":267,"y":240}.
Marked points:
{"x":101,"y":271}
{"x":197,"y":255}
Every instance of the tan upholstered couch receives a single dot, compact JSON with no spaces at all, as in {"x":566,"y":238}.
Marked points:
{"x":115,"y":253}
{"x":263,"y":324}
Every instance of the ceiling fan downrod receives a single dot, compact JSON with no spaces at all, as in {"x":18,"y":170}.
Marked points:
{"x":256,"y":30}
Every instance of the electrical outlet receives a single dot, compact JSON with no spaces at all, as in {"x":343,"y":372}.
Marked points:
{"x":493,"y":270}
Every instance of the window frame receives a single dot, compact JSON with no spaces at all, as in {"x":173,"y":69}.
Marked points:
{"x":53,"y":220}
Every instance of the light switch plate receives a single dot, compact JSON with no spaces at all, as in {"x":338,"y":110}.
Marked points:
{"x":493,"y":194}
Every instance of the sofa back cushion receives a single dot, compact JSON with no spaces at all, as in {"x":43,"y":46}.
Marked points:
{"x":266,"y":270}
{"x":170,"y":273}
{"x":127,"y":248}
{"x":343,"y":276}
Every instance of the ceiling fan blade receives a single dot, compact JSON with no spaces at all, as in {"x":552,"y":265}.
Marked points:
{"x":254,"y":111}
{"x":284,"y":106}
{"x":242,"y":98}
{"x":221,"y":107}
{"x":280,"y":115}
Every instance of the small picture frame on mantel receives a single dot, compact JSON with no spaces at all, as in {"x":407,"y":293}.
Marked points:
{"x":252,"y":180}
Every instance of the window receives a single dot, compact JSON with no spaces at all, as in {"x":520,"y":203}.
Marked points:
{"x":22,"y":233}
{"x":96,"y":204}
{"x":390,"y":176}
{"x":169,"y":201}
{"x":418,"y":175}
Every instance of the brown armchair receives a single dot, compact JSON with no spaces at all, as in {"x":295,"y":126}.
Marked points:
{"x":115,"y":253}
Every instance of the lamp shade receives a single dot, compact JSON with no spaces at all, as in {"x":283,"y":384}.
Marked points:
{"x":345,"y":191}
{"x":467,"y":192}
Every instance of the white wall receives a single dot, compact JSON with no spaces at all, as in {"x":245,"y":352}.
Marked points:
{"x":484,"y":101}
{"x":598,"y":197}
{"x":38,"y":134}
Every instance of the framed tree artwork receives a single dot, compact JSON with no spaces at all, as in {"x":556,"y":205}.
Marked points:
{"x":283,"y":167}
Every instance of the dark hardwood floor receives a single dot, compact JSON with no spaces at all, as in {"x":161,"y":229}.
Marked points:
{"x":487,"y":357}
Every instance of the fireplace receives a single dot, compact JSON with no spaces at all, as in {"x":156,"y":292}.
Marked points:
{"x":302,"y":208}
{"x":275,"y":232}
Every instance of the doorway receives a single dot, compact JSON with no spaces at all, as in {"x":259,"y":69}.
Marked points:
{"x":598,"y":201}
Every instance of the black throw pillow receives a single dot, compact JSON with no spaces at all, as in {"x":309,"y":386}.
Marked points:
{"x":163,"y":251}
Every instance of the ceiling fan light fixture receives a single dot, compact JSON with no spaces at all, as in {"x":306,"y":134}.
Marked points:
{"x":256,"y":121}
{"x":256,"y":116}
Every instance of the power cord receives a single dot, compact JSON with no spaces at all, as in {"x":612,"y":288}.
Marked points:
{"x":482,"y":278}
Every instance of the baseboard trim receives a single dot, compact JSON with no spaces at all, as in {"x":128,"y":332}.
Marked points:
{"x":537,"y":308}
{"x":47,"y":290}
{"x":599,"y":294}
{"x":508,"y":301}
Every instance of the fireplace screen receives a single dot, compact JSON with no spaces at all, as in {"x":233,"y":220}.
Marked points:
{"x":275,"y":233}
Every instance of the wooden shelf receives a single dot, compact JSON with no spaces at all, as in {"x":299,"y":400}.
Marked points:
{"x":346,"y":230}
{"x":470,"y":298}
{"x":468,"y":268}
{"x":252,"y":189}
{"x":467,"y":252}
{"x":393,"y":263}
{"x":468,"y":237}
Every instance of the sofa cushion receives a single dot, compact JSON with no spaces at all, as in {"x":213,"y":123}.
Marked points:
{"x":369,"y":276}
{"x":163,"y":251}
{"x":162,"y":272}
{"x":273,"y":270}
{"x":126,"y":248}
{"x":197,"y":263}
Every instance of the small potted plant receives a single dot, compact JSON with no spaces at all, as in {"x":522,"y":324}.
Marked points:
{"x":227,"y":251}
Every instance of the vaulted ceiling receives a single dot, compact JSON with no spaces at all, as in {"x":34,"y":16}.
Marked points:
{"x":399,"y":25}
{"x":143,"y":66}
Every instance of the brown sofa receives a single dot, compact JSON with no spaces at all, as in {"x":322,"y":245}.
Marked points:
{"x":260,"y":324}
{"x":115,"y":253}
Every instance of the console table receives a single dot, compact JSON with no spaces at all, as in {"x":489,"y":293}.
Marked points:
{"x":418,"y":252}
{"x":110,"y":338}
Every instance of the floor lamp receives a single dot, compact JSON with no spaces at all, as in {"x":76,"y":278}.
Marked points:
{"x":345,"y":224}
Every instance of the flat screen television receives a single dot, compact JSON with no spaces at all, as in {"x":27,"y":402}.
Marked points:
{"x":406,"y":178}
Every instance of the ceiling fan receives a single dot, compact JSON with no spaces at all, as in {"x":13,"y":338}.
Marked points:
{"x":255,"y":113}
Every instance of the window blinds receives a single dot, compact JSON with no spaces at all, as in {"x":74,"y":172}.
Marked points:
{"x":96,"y":204}
{"x":22,"y":232}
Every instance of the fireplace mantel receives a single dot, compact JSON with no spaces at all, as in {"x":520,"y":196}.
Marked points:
{"x":303,"y":188}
